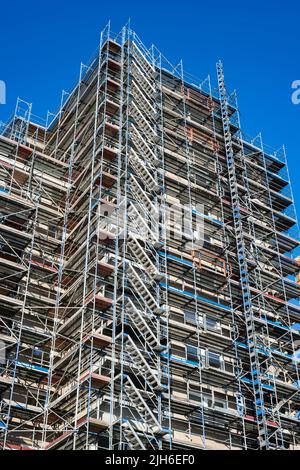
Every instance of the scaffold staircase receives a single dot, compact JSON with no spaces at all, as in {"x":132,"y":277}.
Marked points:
{"x":141,"y":392}
{"x":138,"y":284}
{"x":146,"y":326}
{"x":142,"y":146}
{"x":142,"y":171}
{"x":142,"y":198}
{"x":131,"y":436}
{"x":141,"y":257}
{"x":141,"y":222}
{"x":143,"y":387}
{"x":139,"y":400}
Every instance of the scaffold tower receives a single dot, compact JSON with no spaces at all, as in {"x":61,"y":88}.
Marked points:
{"x":149,"y":278}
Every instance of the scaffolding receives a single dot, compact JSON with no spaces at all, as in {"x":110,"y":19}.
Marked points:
{"x":124,"y":328}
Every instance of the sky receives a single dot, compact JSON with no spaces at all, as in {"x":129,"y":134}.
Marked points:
{"x":43,"y":44}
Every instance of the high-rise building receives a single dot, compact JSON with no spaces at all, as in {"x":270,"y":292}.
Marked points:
{"x":148,"y":285}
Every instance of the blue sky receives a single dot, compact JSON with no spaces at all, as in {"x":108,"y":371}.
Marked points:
{"x":43,"y":43}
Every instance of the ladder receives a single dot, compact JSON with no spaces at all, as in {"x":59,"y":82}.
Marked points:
{"x":259,"y":401}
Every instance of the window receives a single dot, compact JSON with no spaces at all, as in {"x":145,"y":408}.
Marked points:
{"x":190,"y":316}
{"x":220,"y":400}
{"x":212,"y":324}
{"x":207,"y":399}
{"x":192,"y":353}
{"x":220,"y":404}
{"x":178,"y":351}
{"x":194,"y":393}
{"x":214,"y":360}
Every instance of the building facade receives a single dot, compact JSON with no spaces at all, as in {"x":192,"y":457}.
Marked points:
{"x":148,"y":284}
